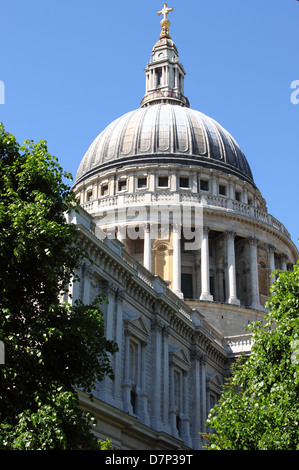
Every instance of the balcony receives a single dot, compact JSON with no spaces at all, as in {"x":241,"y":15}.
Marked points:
{"x":164,"y":96}
{"x":181,"y":198}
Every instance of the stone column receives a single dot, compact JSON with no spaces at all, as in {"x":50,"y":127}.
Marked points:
{"x":142,"y":396}
{"x":156,"y":421}
{"x":176,"y":80}
{"x":147,"y":251}
{"x":197,"y":274}
{"x":255,"y":295}
{"x":74,"y":287}
{"x":283,"y":262}
{"x":126,"y":384}
{"x":231,"y":267}
{"x":203,"y":393}
{"x":86,"y":283}
{"x":109,"y":320}
{"x":172,"y":408}
{"x":165,"y":382}
{"x":205,"y":266}
{"x":196,"y":412}
{"x":117,"y":357}
{"x":185,"y":418}
{"x":105,"y":387}
{"x":176,"y":260}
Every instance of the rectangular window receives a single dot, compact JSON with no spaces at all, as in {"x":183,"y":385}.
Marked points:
{"x":142,"y":182}
{"x":238,"y":196}
{"x":163,"y":182}
{"x":184,"y":182}
{"x":204,"y":185}
{"x":104,"y":190}
{"x":122,"y":185}
{"x":89,"y":196}
{"x":222,"y":189}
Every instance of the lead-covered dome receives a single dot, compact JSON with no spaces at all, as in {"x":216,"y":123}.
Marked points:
{"x":165,"y":133}
{"x":164,"y":130}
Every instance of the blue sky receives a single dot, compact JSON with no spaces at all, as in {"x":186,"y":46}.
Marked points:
{"x":71,"y":67}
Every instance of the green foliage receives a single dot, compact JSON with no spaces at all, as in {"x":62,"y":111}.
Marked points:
{"x":106,"y":445}
{"x":50,"y":347}
{"x":259,"y":409}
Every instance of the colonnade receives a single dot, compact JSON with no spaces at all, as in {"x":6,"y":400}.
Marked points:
{"x":230,"y":276}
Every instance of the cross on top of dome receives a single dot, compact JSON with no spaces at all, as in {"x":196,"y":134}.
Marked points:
{"x":165,"y":23}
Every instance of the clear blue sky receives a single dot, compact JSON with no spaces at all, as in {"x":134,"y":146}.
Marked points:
{"x":71,"y":67}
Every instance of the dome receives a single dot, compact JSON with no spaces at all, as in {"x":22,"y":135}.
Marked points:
{"x":165,"y":133}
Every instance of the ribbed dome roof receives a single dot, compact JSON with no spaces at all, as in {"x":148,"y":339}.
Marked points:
{"x":165,"y":133}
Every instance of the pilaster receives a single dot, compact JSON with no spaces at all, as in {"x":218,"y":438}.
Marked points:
{"x":156,"y":419}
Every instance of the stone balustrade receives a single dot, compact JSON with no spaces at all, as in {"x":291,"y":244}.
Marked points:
{"x":237,"y":345}
{"x":167,"y":197}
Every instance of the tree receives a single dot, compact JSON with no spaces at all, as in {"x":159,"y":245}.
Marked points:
{"x":259,"y":409}
{"x":51,"y":348}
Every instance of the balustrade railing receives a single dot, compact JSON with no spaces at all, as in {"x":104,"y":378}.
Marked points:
{"x":238,"y":344}
{"x":144,"y":198}
{"x":164,"y":94}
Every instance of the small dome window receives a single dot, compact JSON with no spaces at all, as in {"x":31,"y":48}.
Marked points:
{"x":142,"y":183}
{"x":204,"y":185}
{"x":237,"y":195}
{"x":104,"y":190}
{"x":163,"y":182}
{"x":222,"y":190}
{"x":122,"y":185}
{"x":184,"y":182}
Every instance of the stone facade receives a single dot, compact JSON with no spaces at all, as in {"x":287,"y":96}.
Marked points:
{"x":183,"y":247}
{"x":242,"y":242}
{"x":171,"y":362}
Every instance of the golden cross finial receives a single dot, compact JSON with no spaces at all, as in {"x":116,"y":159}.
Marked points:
{"x":165,"y":23}
{"x":165,"y":11}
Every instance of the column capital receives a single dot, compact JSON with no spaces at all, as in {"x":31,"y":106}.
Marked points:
{"x":253,"y":240}
{"x":157,"y":324}
{"x":107,"y":287}
{"x":121,"y":294}
{"x":230,"y":234}
{"x":206,"y":229}
{"x":166,"y":330}
{"x":89,"y":271}
{"x":198,"y":355}
{"x":271,"y":248}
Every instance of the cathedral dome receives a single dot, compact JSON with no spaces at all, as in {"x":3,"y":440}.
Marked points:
{"x":165,"y":132}
{"x":164,"y":174}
